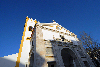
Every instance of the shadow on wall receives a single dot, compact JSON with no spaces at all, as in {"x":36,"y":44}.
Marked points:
{"x":38,"y":60}
{"x":8,"y":63}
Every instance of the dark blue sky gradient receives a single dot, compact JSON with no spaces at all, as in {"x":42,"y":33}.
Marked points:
{"x":74,"y":15}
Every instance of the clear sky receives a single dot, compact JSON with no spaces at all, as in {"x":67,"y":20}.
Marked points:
{"x":74,"y":15}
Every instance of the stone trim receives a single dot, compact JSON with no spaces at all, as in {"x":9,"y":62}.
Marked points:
{"x":70,"y":33}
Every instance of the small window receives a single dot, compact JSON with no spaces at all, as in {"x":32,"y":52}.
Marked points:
{"x":60,"y":35}
{"x":51,"y":63}
{"x":30,"y":28}
{"x":26,"y":65}
{"x":32,"y":43}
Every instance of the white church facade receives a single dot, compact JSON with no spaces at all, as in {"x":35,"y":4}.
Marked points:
{"x":47,"y":45}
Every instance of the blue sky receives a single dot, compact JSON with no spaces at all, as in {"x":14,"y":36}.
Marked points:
{"x":74,"y":15}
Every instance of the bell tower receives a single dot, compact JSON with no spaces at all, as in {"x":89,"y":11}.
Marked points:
{"x":24,"y":49}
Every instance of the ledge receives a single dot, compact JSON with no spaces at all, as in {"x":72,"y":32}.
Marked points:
{"x":49,"y":55}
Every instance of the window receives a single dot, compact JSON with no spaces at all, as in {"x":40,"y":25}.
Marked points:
{"x":30,"y":28}
{"x":26,"y":65}
{"x":51,"y":63}
{"x":32,"y":43}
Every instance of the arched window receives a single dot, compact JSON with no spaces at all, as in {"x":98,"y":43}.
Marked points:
{"x":30,"y":28}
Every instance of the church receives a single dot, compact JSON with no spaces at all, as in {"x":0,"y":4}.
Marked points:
{"x":47,"y":45}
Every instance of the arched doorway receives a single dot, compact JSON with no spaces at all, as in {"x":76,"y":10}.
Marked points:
{"x":69,"y":58}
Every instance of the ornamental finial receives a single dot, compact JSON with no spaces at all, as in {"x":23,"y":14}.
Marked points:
{"x":53,"y":20}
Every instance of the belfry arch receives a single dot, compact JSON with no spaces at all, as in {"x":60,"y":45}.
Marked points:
{"x":69,"y":58}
